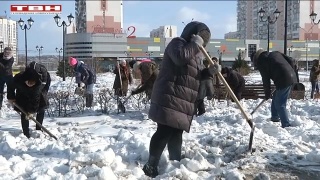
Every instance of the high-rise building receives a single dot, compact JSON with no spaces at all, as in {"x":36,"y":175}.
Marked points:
{"x":299,"y":24}
{"x":9,"y":35}
{"x":98,"y":16}
{"x":167,"y":31}
{"x":231,"y":35}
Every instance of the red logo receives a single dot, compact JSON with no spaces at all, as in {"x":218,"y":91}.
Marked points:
{"x":36,"y":9}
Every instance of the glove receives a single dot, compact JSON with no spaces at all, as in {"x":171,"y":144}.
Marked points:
{"x":29,"y":116}
{"x":79,"y":91}
{"x":133,"y":92}
{"x":267,"y":96}
{"x":215,"y":68}
{"x":11,"y":101}
{"x":197,"y":39}
{"x":82,"y":85}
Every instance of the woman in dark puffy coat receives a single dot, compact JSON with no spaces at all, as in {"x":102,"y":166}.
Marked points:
{"x":31,"y":94}
{"x":121,"y":88}
{"x":235,"y":81}
{"x":175,"y":91}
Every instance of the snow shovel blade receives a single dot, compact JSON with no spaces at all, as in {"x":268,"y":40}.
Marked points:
{"x":251,"y":138}
{"x":34,"y":120}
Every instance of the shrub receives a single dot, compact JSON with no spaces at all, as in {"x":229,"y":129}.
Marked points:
{"x":241,"y":65}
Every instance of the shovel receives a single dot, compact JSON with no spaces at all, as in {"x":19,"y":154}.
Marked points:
{"x":33,"y":119}
{"x":255,"y":109}
{"x":249,"y":121}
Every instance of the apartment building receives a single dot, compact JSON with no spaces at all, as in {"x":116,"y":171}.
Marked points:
{"x":9,"y":35}
{"x":167,"y":31}
{"x":99,"y":16}
{"x":299,"y":24}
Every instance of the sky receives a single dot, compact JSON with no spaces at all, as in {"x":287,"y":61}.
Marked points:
{"x":220,"y":16}
{"x":115,"y":146}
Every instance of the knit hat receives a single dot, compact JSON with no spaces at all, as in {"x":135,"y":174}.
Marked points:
{"x":131,"y":63}
{"x":255,"y":56}
{"x":136,"y":66}
{"x":225,"y":70}
{"x":7,"y":53}
{"x":196,"y":28}
{"x":72,"y":61}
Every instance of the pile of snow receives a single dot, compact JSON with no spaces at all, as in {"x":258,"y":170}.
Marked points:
{"x":116,"y":146}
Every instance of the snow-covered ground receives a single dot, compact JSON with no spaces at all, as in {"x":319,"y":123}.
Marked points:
{"x":115,"y":146}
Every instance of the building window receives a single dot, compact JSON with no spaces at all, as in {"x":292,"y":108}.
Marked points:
{"x":252,"y":48}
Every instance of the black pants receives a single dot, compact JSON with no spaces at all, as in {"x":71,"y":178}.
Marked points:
{"x":163,"y":136}
{"x":5,"y":80}
{"x":25,"y":122}
{"x":200,"y":107}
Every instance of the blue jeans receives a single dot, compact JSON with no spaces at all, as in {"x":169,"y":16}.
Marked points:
{"x":314,"y":87}
{"x":89,"y":89}
{"x":278,"y":106}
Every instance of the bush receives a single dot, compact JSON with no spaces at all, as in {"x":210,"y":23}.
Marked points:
{"x":68,"y":69}
{"x":241,"y":66}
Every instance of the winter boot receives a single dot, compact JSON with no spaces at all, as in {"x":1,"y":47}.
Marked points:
{"x":150,"y":168}
{"x":39,"y":118}
{"x":89,"y":100}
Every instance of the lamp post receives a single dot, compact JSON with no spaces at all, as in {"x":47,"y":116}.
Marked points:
{"x":59,"y":51}
{"x":39,"y":49}
{"x":313,"y":17}
{"x":269,"y":20}
{"x":149,"y":54}
{"x":1,"y":46}
{"x":285,"y":27}
{"x":64,"y":25}
{"x":25,"y":27}
{"x":306,"y":45}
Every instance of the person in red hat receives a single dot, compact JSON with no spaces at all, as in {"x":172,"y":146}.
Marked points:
{"x":85,"y":78}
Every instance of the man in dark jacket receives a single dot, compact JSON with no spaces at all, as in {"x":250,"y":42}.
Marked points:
{"x":314,"y":77}
{"x":31,"y":87}
{"x":274,"y":66}
{"x":148,"y":70}
{"x":205,"y":90}
{"x":85,"y":78}
{"x":235,"y":80}
{"x":6,"y":77}
{"x":175,"y":91}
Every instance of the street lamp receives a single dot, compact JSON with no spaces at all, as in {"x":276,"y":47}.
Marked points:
{"x":59,"y":51}
{"x":269,"y":20}
{"x":1,"y":46}
{"x":39,"y":49}
{"x":306,"y":45}
{"x":313,"y":17}
{"x":149,"y":54}
{"x":64,"y":25}
{"x":25,"y":27}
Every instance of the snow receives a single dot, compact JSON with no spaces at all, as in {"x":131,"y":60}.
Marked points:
{"x":115,"y":146}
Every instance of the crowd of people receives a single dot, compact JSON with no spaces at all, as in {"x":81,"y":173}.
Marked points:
{"x":176,"y":90}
